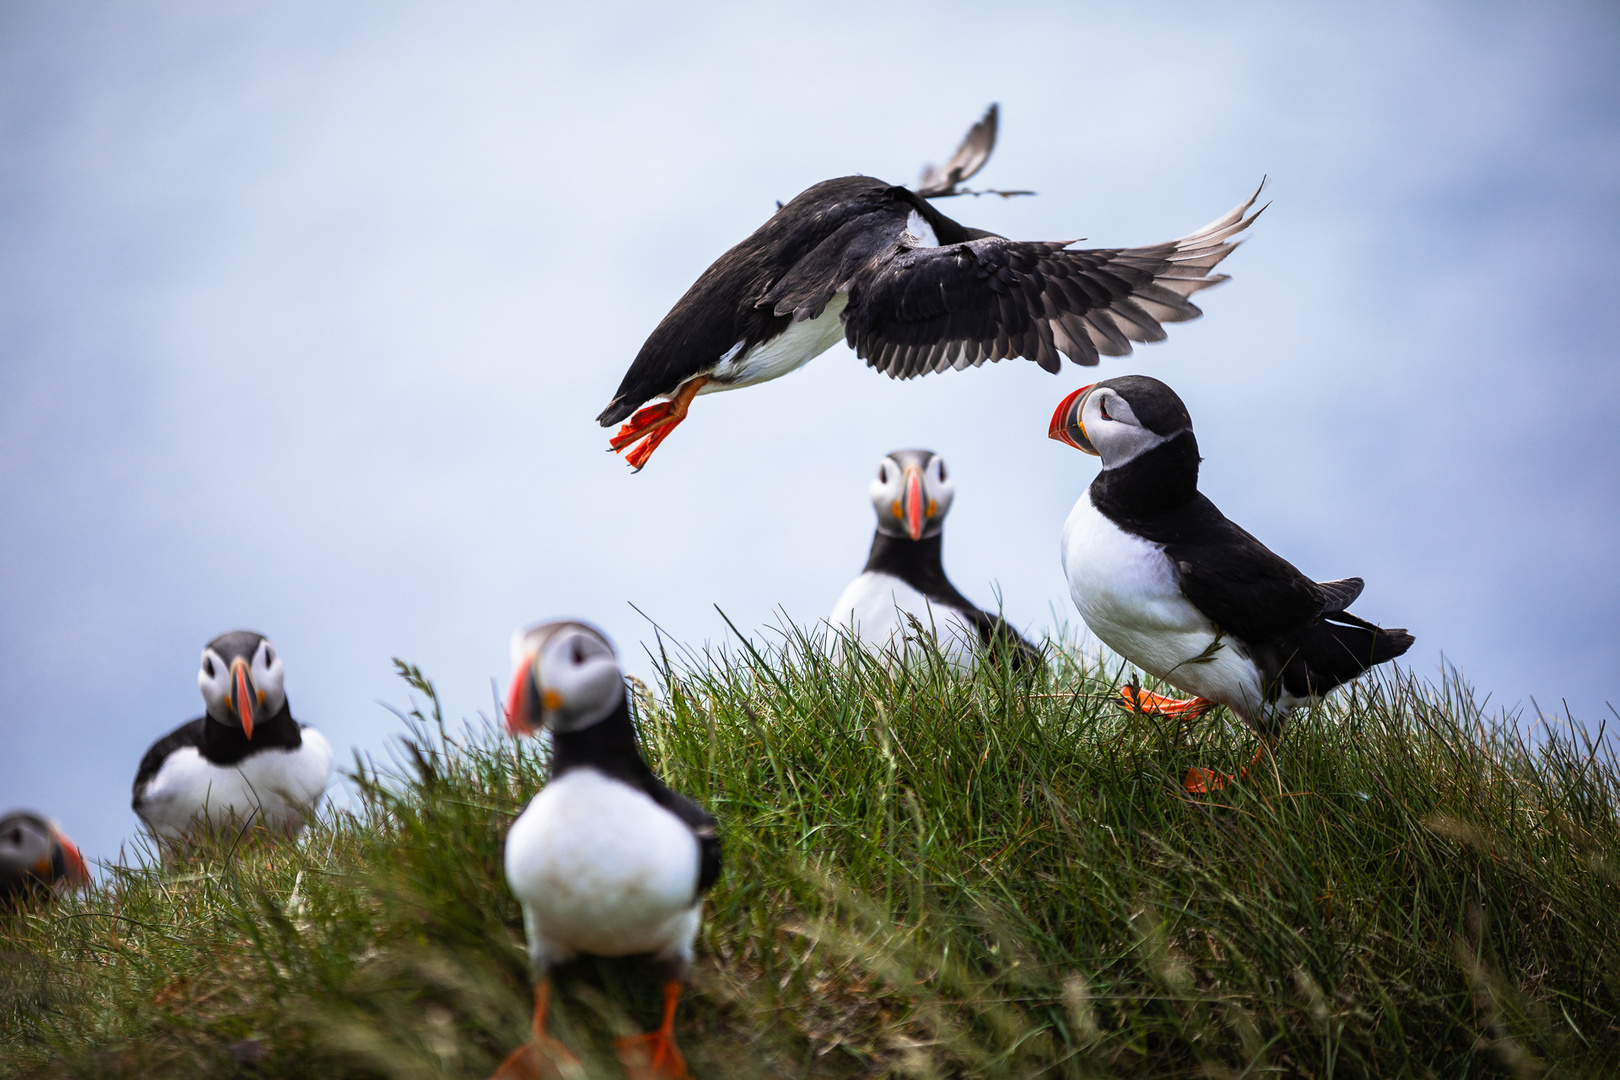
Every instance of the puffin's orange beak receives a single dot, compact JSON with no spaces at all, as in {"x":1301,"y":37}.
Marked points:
{"x":74,"y":871}
{"x":519,"y":715}
{"x":913,"y":502}
{"x":246,"y":701}
{"x":1066,"y":426}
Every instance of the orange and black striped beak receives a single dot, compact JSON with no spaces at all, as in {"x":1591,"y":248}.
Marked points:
{"x":244,"y":696}
{"x":912,"y":502}
{"x":1067,"y":427}
{"x":526,"y":704}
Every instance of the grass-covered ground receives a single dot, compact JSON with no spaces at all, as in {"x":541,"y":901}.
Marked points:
{"x":927,"y":874}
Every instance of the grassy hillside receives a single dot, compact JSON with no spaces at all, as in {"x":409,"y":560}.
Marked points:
{"x":927,"y":874}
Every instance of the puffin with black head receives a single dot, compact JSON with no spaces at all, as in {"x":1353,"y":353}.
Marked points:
{"x":904,"y":577}
{"x":37,"y":858}
{"x":1164,"y":579}
{"x":606,"y":860}
{"x":244,"y":760}
{"x":859,"y":260}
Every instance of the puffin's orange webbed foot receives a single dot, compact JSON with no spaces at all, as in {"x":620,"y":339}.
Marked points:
{"x":542,"y":1057}
{"x":652,"y":424}
{"x":654,"y":1056}
{"x":1150,"y":704}
{"x":1201,"y":781}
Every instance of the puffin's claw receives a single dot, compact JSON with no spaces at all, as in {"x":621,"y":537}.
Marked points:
{"x":1150,"y":704}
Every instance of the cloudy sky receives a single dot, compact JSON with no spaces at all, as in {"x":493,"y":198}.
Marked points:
{"x":306,"y":310}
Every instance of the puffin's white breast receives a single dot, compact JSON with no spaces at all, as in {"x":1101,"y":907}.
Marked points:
{"x":1129,"y":594}
{"x":280,"y":786}
{"x":795,"y":347}
{"x":602,"y":869}
{"x":874,"y":608}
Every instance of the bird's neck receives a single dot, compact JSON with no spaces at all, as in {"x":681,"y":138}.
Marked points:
{"x":917,"y":563}
{"x":224,"y":744}
{"x":608,"y":746}
{"x":1161,"y":479}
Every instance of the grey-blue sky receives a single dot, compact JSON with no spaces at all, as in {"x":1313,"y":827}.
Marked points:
{"x":305,"y":311}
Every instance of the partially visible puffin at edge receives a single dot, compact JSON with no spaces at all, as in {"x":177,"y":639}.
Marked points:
{"x":37,"y":858}
{"x":244,"y":759}
{"x":1166,"y":581}
{"x":606,"y":860}
{"x":912,"y":291}
{"x":904,"y":576}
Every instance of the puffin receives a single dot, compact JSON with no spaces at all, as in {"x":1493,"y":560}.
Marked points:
{"x":606,"y":860}
{"x":36,"y":857}
{"x":1168,"y":582}
{"x":904,"y":578}
{"x":245,"y":760}
{"x":910,"y":290}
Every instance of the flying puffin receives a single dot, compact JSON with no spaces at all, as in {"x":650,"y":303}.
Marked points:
{"x":875,"y":265}
{"x":245,"y":759}
{"x":1166,"y":581}
{"x":36,"y":856}
{"x":606,"y":860}
{"x":904,"y":578}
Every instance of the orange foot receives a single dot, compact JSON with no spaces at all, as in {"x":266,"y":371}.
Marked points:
{"x":542,"y":1057}
{"x":654,"y":1056}
{"x":652,"y":425}
{"x":1201,"y":781}
{"x":1138,"y":700}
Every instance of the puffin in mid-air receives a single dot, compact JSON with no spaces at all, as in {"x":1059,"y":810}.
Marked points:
{"x":904,"y":578}
{"x":36,"y":857}
{"x":874,"y":264}
{"x":1166,"y":581}
{"x":244,"y":760}
{"x":606,"y":860}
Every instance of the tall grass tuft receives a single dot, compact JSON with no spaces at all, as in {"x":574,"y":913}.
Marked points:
{"x":929,"y":872}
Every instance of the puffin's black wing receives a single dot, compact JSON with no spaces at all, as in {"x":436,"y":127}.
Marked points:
{"x":920,"y":309}
{"x":1239,"y":584}
{"x":187,"y":734}
{"x":703,"y":826}
{"x":941,"y":180}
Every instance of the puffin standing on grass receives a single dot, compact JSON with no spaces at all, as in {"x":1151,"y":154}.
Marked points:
{"x":244,"y":760}
{"x":606,"y":860}
{"x":36,"y":856}
{"x":1166,"y":581}
{"x":875,"y":265}
{"x":904,"y":577}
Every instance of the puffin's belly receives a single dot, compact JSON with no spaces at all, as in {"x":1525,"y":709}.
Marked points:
{"x":278,"y":785}
{"x":1129,"y":595}
{"x":602,"y":869}
{"x":873,"y":608}
{"x":795,"y":347}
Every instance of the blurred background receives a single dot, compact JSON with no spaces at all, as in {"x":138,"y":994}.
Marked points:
{"x":306,"y":311}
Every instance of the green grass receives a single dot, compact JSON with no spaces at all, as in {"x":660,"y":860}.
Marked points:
{"x":927,"y":874}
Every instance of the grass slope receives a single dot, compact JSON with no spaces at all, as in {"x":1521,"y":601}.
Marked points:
{"x":927,"y":874}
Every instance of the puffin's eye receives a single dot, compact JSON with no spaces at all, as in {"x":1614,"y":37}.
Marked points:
{"x":579,"y":653}
{"x":883,"y":474}
{"x":941,"y":469}
{"x":269,"y":656}
{"x":208,"y":667}
{"x":1103,"y":407}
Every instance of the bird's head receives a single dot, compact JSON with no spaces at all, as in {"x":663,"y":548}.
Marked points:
{"x":565,"y":677}
{"x":1120,"y":419}
{"x":912,"y":493}
{"x":35,"y":849}
{"x":240,"y":679}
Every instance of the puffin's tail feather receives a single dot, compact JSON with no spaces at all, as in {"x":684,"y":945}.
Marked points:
{"x":1335,"y":652}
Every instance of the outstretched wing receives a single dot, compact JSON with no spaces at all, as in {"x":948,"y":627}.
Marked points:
{"x":941,"y":180}
{"x":932,"y":308}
